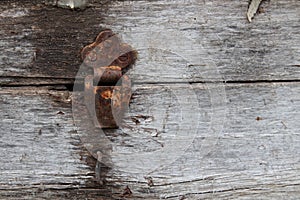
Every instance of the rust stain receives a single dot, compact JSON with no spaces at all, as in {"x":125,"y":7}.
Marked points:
{"x":108,"y":91}
{"x":107,"y":94}
{"x":258,"y":118}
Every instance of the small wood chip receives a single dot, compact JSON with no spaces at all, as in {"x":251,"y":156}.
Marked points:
{"x":60,"y":113}
{"x":72,"y":4}
{"x":253,"y":7}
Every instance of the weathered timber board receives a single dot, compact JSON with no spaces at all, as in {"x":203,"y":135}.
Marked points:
{"x":178,"y":41}
{"x":247,"y":158}
{"x":41,"y":40}
{"x":38,"y":139}
{"x":244,"y":146}
{"x":250,"y":155}
{"x":41,"y":153}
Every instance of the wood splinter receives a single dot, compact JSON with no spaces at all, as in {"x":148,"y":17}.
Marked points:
{"x":252,"y":10}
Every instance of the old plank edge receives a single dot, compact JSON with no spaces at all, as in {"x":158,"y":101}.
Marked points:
{"x":255,"y":153}
{"x":207,"y":42}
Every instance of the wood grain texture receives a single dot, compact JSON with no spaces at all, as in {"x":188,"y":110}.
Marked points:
{"x":41,"y":152}
{"x":37,"y":139}
{"x":248,"y":158}
{"x":41,"y":40}
{"x":214,"y":112}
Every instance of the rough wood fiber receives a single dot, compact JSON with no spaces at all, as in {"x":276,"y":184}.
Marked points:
{"x":40,"y":40}
{"x":246,"y":144}
{"x":214,"y":31}
{"x":250,"y":157}
{"x":36,"y":140}
{"x":256,"y":153}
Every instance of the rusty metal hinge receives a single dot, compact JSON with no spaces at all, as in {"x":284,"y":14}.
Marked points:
{"x":108,"y":90}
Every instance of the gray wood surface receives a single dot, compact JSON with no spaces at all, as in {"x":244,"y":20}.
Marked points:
{"x":249,"y":157}
{"x":41,"y":40}
{"x":214,"y":114}
{"x":39,"y":147}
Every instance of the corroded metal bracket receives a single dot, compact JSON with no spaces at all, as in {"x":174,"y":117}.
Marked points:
{"x":108,"y":90}
{"x":107,"y":104}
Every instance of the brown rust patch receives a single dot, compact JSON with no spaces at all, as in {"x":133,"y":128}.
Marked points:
{"x":108,"y":91}
{"x":107,"y":94}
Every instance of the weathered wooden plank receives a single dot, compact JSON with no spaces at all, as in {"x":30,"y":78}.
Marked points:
{"x":41,"y":40}
{"x":245,"y":145}
{"x":178,"y":41}
{"x":252,"y":150}
{"x":39,"y":148}
{"x":210,"y":32}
